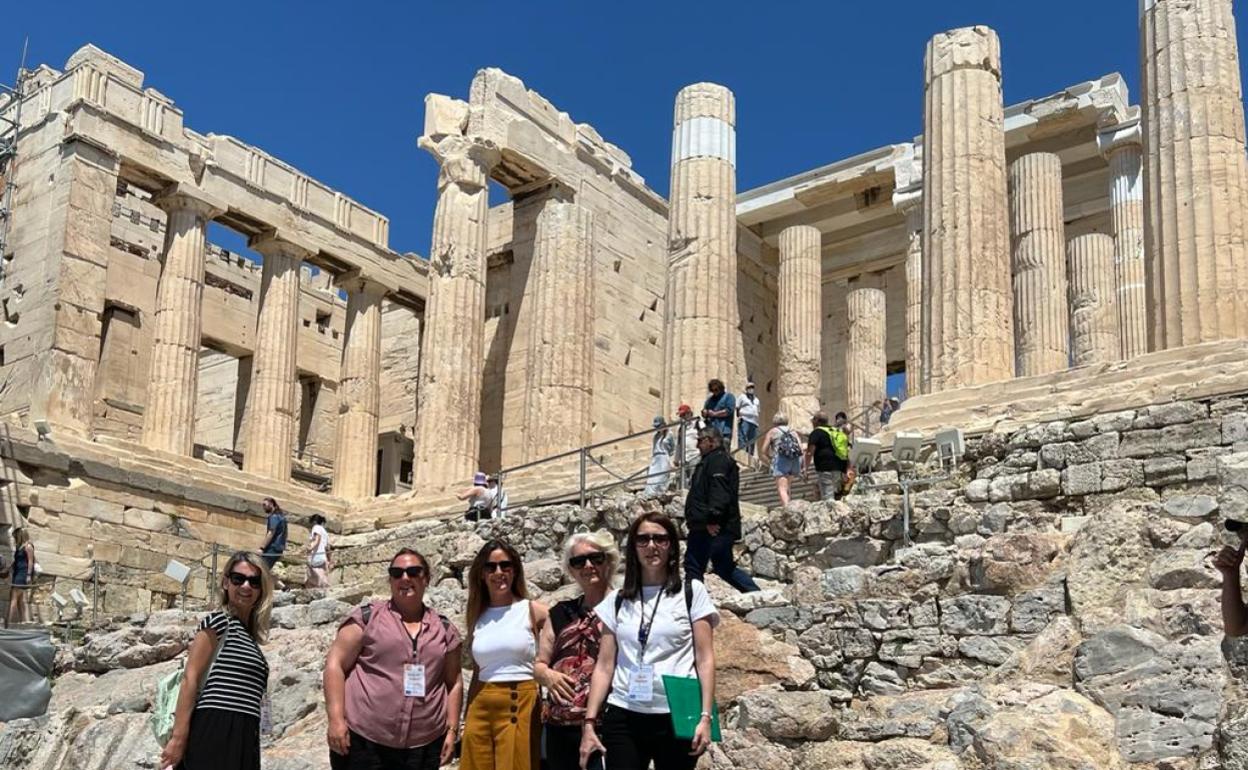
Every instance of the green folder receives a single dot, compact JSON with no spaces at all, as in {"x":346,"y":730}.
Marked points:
{"x":684,"y":698}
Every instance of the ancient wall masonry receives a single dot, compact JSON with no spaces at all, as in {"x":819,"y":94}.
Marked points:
{"x":1093,"y":300}
{"x":1038,"y":248}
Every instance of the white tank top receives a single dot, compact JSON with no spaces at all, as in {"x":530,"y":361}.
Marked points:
{"x":503,"y":645}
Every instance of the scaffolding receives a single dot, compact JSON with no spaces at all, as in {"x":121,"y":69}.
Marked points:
{"x":11,"y":98}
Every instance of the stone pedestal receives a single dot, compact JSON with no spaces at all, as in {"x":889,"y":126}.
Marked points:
{"x":702,"y":337}
{"x":1196,"y":176}
{"x":1123,"y":150}
{"x":359,"y":392}
{"x":452,"y":356}
{"x":272,"y":416}
{"x":559,"y":389}
{"x":1093,"y":300}
{"x":866,"y":362}
{"x":799,"y":323}
{"x":912,"y":207}
{"x":173,"y":386}
{"x":968,"y":327}
{"x":1038,"y":248}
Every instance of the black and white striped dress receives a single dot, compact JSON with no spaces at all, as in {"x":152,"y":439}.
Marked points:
{"x":225,"y":727}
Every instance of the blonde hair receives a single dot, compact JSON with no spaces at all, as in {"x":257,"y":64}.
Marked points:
{"x":20,"y":537}
{"x":603,"y":541}
{"x":780,"y":418}
{"x":258,"y":622}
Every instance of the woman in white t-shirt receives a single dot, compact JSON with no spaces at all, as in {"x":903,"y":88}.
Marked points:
{"x":318,"y":554}
{"x":653,"y":626}
{"x":501,"y":728}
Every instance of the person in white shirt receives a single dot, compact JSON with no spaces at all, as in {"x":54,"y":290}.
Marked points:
{"x":747,"y":419}
{"x":654,"y":625}
{"x":318,"y":554}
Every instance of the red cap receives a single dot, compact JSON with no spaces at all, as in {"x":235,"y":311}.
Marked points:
{"x":684,"y":409}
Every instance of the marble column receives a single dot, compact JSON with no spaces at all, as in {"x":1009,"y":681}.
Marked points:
{"x":452,"y":356}
{"x":701,"y":330}
{"x":173,"y":383}
{"x":359,"y":391}
{"x":559,"y":390}
{"x":866,"y":360}
{"x":1195,"y":175}
{"x":272,"y":416}
{"x":968,"y":326}
{"x":1038,"y":249}
{"x":800,"y":323}
{"x":911,"y":204}
{"x":1093,"y":300}
{"x":1123,"y":148}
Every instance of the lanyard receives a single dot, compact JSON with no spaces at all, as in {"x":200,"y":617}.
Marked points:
{"x":643,"y":628}
{"x":416,"y":638}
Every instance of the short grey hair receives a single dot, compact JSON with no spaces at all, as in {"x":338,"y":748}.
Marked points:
{"x":713,"y":434}
{"x":780,"y":418}
{"x":603,"y":541}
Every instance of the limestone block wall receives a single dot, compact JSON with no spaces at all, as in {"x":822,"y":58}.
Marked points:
{"x":400,"y":361}
{"x":218,"y":399}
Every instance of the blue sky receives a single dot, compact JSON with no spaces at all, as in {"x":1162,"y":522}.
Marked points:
{"x":337,"y":89}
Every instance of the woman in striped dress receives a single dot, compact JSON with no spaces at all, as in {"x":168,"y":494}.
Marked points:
{"x":217,"y":722}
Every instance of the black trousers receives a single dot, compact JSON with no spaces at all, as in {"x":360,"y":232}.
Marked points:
{"x":702,"y":548}
{"x":366,"y":755}
{"x":563,"y":747}
{"x":634,"y":740}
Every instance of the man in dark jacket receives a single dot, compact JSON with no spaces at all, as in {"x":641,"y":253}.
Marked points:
{"x":713,"y":514}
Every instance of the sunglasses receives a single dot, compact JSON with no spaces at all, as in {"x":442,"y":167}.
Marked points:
{"x":238,"y":578}
{"x":646,"y":539}
{"x":497,"y":566}
{"x":415,"y":571}
{"x":597,"y":559}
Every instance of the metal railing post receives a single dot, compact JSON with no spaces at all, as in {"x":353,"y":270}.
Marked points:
{"x":583,"y":457}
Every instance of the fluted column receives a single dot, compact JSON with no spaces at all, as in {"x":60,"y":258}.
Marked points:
{"x":799,"y":321}
{"x":173,"y":382}
{"x":559,"y":390}
{"x":359,"y":391}
{"x":1093,"y":300}
{"x":452,"y":356}
{"x":1038,"y":248}
{"x":866,"y":362}
{"x":272,"y":417}
{"x":702,"y":246}
{"x":1196,"y":175}
{"x":911,"y":204}
{"x":968,"y":326}
{"x":1123,"y":149}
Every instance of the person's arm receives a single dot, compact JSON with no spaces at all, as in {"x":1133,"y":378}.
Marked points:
{"x":269,"y":534}
{"x":719,"y":495}
{"x":558,"y":683}
{"x":474,"y":684}
{"x":704,"y":650}
{"x":466,"y":494}
{"x":338,"y":664}
{"x":1234,"y":613}
{"x":314,"y":543}
{"x":599,"y":685}
{"x":453,"y":680}
{"x":197,"y":661}
{"x":764,"y":448}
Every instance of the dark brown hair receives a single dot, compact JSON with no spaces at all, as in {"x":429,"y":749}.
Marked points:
{"x":632,"y":562}
{"x":411,"y":552}
{"x":478,"y":593}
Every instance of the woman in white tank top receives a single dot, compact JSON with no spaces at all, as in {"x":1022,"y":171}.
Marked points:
{"x":501,"y":729}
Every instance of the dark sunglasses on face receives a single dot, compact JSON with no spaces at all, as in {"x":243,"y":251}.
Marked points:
{"x":647,"y":539}
{"x":415,"y":572}
{"x":597,"y":559}
{"x":238,"y":578}
{"x":497,"y":566}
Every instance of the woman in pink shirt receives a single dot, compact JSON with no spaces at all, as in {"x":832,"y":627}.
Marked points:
{"x":392,"y":679}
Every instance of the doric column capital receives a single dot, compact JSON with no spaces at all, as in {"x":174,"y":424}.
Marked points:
{"x":276,"y":243}
{"x":354,"y":282}
{"x":1127,"y":134}
{"x":465,"y":160}
{"x":182,"y":197}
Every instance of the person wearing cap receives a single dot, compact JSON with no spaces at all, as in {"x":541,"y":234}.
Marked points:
{"x":691,"y":426}
{"x":662,"y":447}
{"x":480,"y":498}
{"x":1227,"y":561}
{"x":747,"y":419}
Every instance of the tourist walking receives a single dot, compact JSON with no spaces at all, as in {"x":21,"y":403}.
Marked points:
{"x":318,"y":554}
{"x":662,"y":447}
{"x":274,"y":532}
{"x":718,"y":410}
{"x":23,"y":577}
{"x":500,"y":728}
{"x":890,"y":407}
{"x":748,"y":407}
{"x":568,"y":649}
{"x":782,"y":449}
{"x":216,"y":724}
{"x":480,"y":498}
{"x":392,"y":679}
{"x":655,"y":626}
{"x":713,"y":514}
{"x":827,"y":451}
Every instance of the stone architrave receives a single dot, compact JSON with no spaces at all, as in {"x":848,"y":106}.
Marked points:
{"x":559,"y":393}
{"x":359,"y":391}
{"x":272,"y":417}
{"x":1038,"y":248}
{"x":911,"y":204}
{"x":173,"y":385}
{"x":799,"y":322}
{"x":968,"y":325}
{"x":452,"y":358}
{"x":1093,"y":300}
{"x":1123,"y":149}
{"x":701,"y":330}
{"x":1196,"y":175}
{"x":866,"y":360}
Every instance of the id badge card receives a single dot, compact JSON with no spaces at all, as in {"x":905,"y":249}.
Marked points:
{"x":414,"y":680}
{"x":641,"y":684}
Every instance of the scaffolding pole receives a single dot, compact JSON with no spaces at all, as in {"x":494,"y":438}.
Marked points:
{"x":10,"y":129}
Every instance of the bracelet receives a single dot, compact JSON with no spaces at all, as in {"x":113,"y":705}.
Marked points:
{"x":706,"y":715}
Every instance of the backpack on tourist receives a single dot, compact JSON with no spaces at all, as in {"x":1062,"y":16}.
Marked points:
{"x":788,"y":445}
{"x":840,"y":441}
